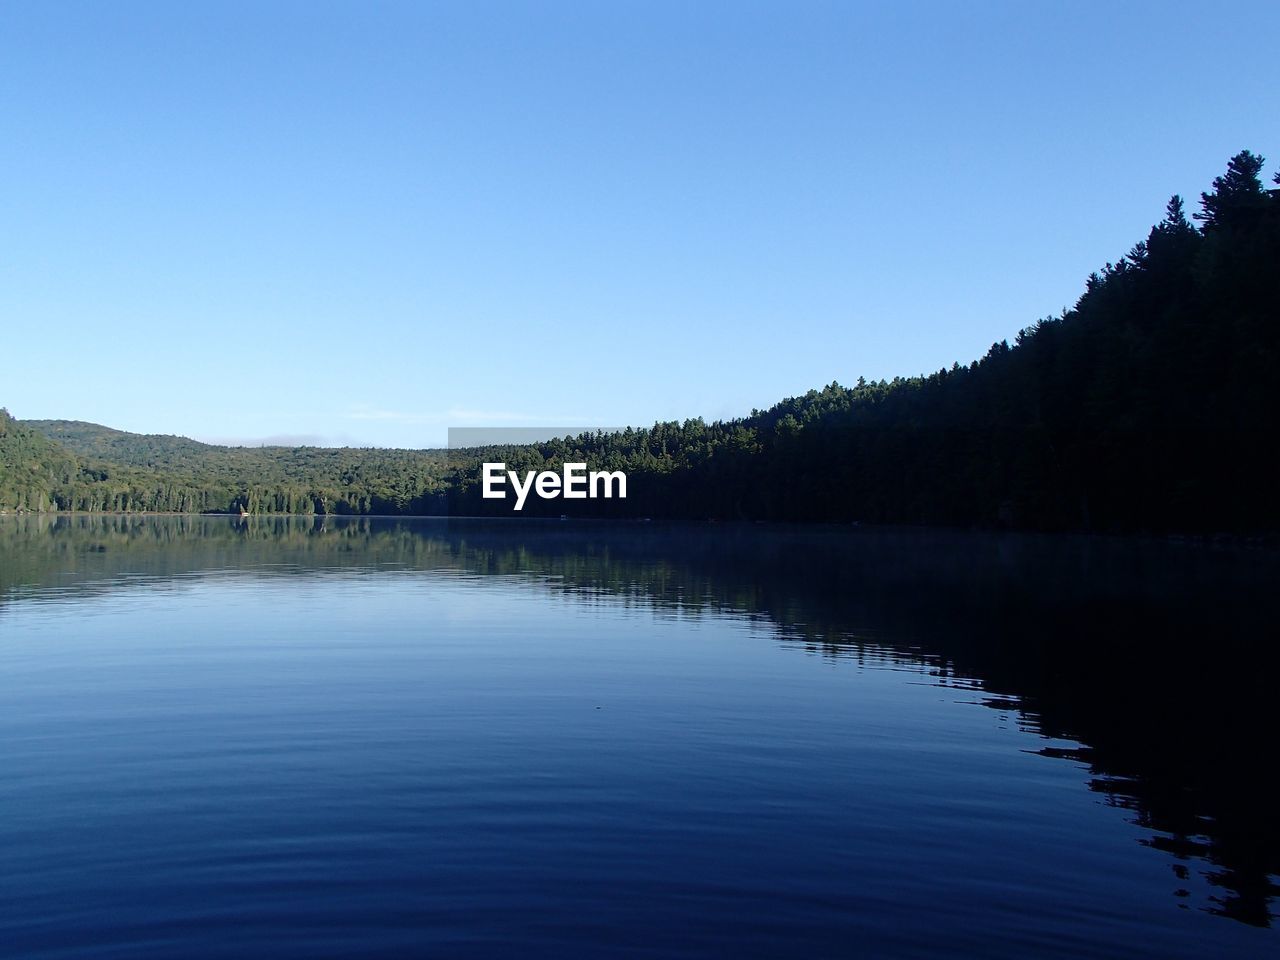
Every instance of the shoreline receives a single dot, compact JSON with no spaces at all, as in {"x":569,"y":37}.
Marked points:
{"x":1256,"y":540}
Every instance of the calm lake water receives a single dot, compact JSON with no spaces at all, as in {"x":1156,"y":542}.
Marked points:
{"x":298,"y":738}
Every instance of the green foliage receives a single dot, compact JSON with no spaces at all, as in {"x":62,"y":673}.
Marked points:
{"x":126,"y":472}
{"x":31,"y":468}
{"x":1150,"y":406}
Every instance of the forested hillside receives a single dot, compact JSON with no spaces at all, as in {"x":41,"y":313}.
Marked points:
{"x":111,"y":470}
{"x":31,"y":467}
{"x":1152,"y":405}
{"x":261,"y":479}
{"x":1149,"y":406}
{"x":96,"y":442}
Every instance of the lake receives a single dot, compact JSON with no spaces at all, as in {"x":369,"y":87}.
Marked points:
{"x":450,"y":738}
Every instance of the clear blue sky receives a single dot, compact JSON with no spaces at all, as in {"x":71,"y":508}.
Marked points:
{"x":365,"y":223}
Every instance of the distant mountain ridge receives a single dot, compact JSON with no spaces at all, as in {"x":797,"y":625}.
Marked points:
{"x":106,"y":443}
{"x":101,"y":468}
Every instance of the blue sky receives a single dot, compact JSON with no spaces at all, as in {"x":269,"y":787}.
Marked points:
{"x":366,"y":223}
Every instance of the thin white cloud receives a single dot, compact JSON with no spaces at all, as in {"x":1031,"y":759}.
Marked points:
{"x":455,"y":415}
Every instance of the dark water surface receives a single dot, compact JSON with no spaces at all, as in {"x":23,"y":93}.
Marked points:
{"x":438,"y":738}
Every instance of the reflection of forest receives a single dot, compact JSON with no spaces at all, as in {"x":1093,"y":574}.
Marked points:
{"x":1152,"y":656}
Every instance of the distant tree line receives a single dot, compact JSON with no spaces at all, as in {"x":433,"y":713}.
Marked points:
{"x":92,"y":468}
{"x":1151,"y":405}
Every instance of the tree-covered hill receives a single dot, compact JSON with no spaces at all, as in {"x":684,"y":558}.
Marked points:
{"x":97,"y":468}
{"x":272,"y":479}
{"x":31,"y":467}
{"x":96,"y":442}
{"x":1149,"y":406}
{"x":1152,"y":405}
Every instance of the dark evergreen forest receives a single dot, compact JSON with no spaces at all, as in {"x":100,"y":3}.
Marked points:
{"x":1150,"y":406}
